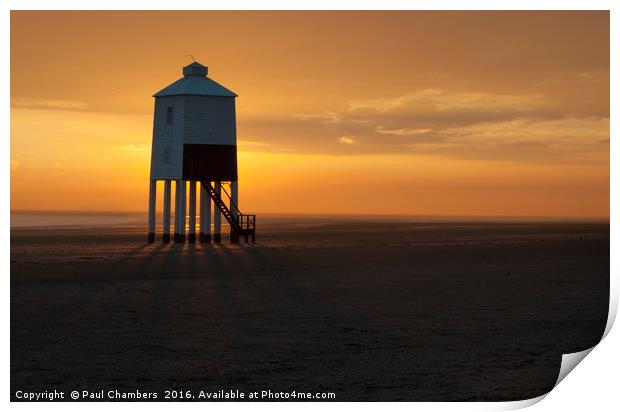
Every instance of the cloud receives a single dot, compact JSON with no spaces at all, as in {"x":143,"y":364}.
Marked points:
{"x":525,"y":127}
{"x":436,"y":109}
{"x":326,"y":118}
{"x":403,"y":132}
{"x":48,"y":104}
{"x":346,"y":140}
{"x":442,"y":101}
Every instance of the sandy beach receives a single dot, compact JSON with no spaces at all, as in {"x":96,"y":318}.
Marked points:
{"x":369,"y":310}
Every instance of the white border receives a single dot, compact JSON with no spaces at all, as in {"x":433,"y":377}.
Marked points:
{"x":593,"y":385}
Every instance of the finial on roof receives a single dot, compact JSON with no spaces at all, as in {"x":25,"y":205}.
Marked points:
{"x":195,"y":69}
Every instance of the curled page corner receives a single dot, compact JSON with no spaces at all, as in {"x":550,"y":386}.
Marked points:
{"x":569,"y":361}
{"x":514,"y":405}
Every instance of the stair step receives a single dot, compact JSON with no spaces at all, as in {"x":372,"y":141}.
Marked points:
{"x":221,"y":205}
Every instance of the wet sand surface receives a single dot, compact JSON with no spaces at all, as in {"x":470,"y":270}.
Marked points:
{"x":367,"y":310}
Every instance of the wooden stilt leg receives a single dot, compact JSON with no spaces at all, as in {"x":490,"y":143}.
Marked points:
{"x":166,"y":222}
{"x":152,"y":203}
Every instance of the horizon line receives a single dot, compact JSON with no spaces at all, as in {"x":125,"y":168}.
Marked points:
{"x":338,"y":214}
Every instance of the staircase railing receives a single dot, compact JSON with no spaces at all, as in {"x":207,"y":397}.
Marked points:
{"x":240,"y":224}
{"x":230,"y":200}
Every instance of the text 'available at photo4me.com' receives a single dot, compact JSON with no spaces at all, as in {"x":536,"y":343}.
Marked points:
{"x":172,"y":395}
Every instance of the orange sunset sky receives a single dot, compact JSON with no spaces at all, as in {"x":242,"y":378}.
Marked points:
{"x":433,"y":113}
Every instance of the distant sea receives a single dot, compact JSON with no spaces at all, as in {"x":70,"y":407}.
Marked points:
{"x":32,"y":219}
{"x":86,"y":219}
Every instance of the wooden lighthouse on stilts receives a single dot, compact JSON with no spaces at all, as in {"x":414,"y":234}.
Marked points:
{"x":195,"y":144}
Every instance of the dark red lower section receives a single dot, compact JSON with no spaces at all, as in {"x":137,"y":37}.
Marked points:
{"x":210,"y":162}
{"x":151,"y":238}
{"x":204,"y":238}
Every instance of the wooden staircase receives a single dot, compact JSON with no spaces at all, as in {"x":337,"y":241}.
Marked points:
{"x":241,"y":225}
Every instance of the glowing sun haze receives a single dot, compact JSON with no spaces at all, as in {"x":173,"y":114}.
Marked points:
{"x":435,"y":113}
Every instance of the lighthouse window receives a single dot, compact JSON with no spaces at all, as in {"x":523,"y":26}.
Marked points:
{"x":169,"y":115}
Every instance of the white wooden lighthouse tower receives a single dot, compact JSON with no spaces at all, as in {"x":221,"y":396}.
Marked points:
{"x":195,"y":143}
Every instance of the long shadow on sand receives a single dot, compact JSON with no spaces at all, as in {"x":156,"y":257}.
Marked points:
{"x":412,"y":322}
